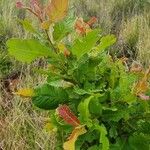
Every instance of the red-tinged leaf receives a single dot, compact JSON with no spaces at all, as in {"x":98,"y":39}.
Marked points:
{"x":136,"y":67}
{"x":19,"y":5}
{"x":33,"y":2}
{"x":144,"y":97}
{"x":83,"y":27}
{"x":63,"y":48}
{"x":37,"y":8}
{"x":92,"y":21}
{"x":66,"y":53}
{"x":65,"y":113}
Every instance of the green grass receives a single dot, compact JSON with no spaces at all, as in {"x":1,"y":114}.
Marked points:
{"x":21,"y":125}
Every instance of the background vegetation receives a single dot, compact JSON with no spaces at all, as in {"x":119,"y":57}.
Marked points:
{"x":21,"y":127}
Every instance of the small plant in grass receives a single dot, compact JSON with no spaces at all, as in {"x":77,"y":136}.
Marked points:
{"x":96,"y":102}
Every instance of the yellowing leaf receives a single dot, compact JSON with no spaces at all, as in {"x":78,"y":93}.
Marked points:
{"x":45,"y":25}
{"x":61,"y":47}
{"x":25,"y":92}
{"x":50,"y":127}
{"x":57,"y":10}
{"x":142,"y":86}
{"x":70,"y":144}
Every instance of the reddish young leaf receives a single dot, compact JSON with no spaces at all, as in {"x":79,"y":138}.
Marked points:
{"x":36,"y":6}
{"x":92,"y":21}
{"x":136,"y":67}
{"x":19,"y":5}
{"x":65,"y":113}
{"x":37,"y":9}
{"x":83,"y":27}
{"x":144,"y":97}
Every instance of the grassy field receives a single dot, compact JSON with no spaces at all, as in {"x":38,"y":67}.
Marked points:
{"x":21,"y":124}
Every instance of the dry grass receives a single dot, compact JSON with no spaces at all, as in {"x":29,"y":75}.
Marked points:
{"x":135,"y":35}
{"x":143,"y":44}
{"x":22,"y":125}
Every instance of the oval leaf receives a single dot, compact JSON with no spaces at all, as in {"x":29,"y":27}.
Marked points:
{"x":48,"y":97}
{"x":28,"y":50}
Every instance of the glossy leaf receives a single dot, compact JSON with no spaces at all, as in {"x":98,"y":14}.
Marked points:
{"x":49,"y":97}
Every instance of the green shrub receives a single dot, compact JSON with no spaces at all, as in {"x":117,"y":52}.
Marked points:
{"x":96,"y":98}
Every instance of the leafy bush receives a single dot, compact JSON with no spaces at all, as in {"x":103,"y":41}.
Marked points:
{"x":96,"y":100}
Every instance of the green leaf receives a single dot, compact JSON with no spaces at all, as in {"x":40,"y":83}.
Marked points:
{"x":123,"y":88}
{"x":79,"y":91}
{"x":85,"y":44}
{"x":95,"y":107}
{"x":83,"y":109}
{"x":106,"y":42}
{"x":95,"y":147}
{"x":90,"y":136}
{"x":121,"y":144}
{"x":113,"y":132}
{"x":109,"y":115}
{"x":63,"y":28}
{"x":103,"y":136}
{"x":27,"y":25}
{"x":139,"y":141}
{"x":48,"y":97}
{"x":28,"y":50}
{"x":61,"y":84}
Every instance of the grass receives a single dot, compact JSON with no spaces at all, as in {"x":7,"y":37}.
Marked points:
{"x":122,"y":18}
{"x":21,"y":124}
